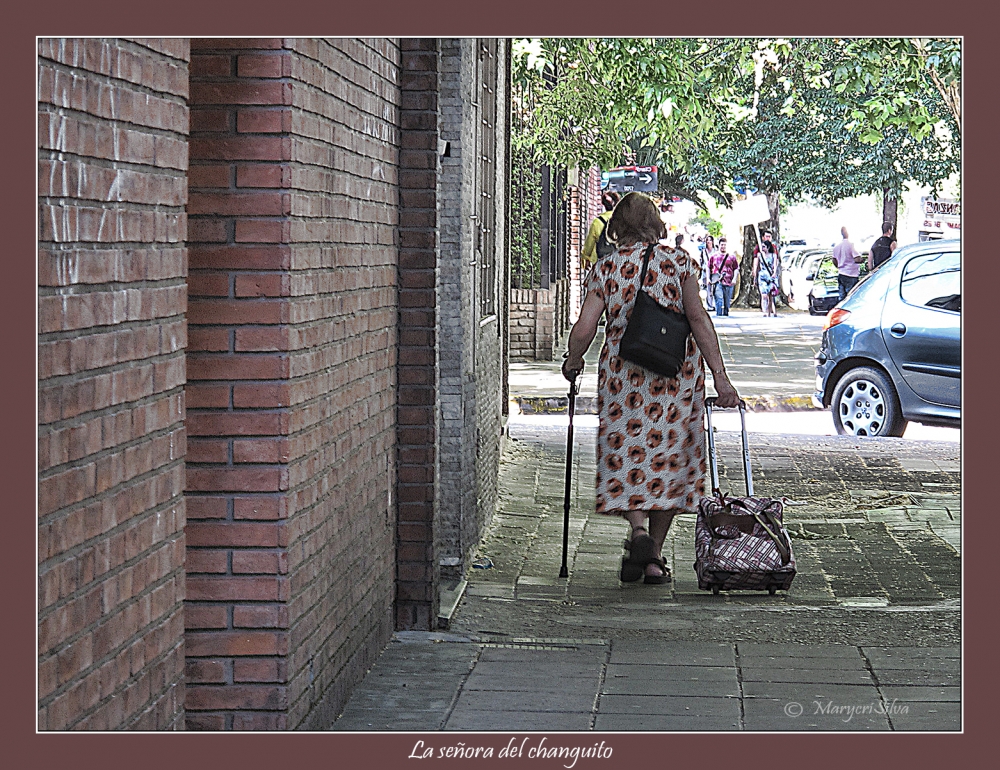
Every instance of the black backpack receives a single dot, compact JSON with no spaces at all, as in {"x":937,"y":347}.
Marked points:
{"x":604,"y":246}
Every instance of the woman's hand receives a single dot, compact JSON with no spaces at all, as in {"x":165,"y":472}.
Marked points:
{"x":572,"y":367}
{"x":728,"y":398}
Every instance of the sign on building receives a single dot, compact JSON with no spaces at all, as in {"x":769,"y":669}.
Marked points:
{"x":626,"y":179}
{"x":942,"y":218}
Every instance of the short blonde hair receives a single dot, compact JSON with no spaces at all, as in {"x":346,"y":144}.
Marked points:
{"x":636,"y":218}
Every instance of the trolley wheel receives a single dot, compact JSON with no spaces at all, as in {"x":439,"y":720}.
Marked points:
{"x":772,"y":589}
{"x":715,"y":590}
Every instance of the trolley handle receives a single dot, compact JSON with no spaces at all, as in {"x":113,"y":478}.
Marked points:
{"x":713,"y":463}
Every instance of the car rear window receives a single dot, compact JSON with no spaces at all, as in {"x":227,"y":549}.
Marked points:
{"x":933,"y":280}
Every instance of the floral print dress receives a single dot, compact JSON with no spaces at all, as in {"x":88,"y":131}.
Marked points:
{"x":651,"y":441}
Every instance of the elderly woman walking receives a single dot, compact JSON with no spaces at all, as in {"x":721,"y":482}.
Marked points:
{"x":651,"y":457}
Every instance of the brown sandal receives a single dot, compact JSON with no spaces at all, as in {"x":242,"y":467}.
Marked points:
{"x":641,"y":551}
{"x":657,"y":579}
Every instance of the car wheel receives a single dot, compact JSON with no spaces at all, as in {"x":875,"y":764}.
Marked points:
{"x":865,"y":404}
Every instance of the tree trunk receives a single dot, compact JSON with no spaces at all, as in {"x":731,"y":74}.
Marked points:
{"x":890,"y":205}
{"x":749,"y":293}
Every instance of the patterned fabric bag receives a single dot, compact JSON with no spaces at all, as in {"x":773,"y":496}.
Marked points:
{"x":740,"y":542}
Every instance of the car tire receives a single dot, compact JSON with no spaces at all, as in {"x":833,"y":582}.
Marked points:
{"x":865,"y":404}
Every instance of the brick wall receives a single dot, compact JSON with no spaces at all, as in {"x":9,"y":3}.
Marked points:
{"x":471,"y":332}
{"x":292,"y":411}
{"x":533,"y":323}
{"x":418,"y":429}
{"x":491,"y":352}
{"x":458,"y":314}
{"x":112,"y":129}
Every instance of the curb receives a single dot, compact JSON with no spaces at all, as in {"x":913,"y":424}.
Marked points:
{"x":529,"y":405}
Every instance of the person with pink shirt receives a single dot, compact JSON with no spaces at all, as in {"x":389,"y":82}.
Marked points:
{"x":724,"y":265}
{"x":845,"y":256}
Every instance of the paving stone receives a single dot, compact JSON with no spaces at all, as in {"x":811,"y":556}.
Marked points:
{"x":367,"y":720}
{"x":722,"y":656}
{"x":674,"y":687}
{"x":810,"y":691}
{"x":582,"y":656}
{"x":663,"y":723}
{"x":482,"y":589}
{"x":925,"y":716}
{"x":844,"y":651}
{"x":527,"y":701}
{"x":403,"y":700}
{"x":640,"y":644}
{"x":821,"y":714}
{"x":542,"y":664}
{"x":756,"y":662}
{"x":675,"y":673}
{"x":668,"y":704}
{"x":575,"y":685}
{"x":916,"y":678}
{"x":890,"y":655}
{"x":800,"y":675}
{"x":492,"y":720}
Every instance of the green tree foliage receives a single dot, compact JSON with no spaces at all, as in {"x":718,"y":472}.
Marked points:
{"x":596,"y":101}
{"x":826,"y":117}
{"x":580,"y":101}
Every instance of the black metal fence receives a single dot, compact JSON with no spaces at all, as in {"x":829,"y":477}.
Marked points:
{"x":539,"y":216}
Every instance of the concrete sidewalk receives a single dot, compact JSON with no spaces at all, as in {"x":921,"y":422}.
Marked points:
{"x":769,"y":360}
{"x":866,"y":639}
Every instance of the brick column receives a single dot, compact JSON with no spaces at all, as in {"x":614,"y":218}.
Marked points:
{"x":292,"y":407}
{"x":417,"y":578}
{"x":237,"y":395}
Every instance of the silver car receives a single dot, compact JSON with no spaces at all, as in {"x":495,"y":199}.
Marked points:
{"x":891,"y":351}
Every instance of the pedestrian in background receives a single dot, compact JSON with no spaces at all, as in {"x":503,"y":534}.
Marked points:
{"x":766,"y":273}
{"x":708,"y":280}
{"x":883,"y":247}
{"x":845,"y":256}
{"x":597,"y":244}
{"x":651,"y":457}
{"x":724,"y":265}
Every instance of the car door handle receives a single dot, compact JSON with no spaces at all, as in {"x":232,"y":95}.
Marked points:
{"x":898,"y":330}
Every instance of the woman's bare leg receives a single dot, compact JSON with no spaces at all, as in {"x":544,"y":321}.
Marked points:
{"x":659,"y":525}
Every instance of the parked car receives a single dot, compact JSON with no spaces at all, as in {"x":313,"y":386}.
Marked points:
{"x":797,"y":277}
{"x":796,"y":246}
{"x":891,"y":351}
{"x":824,"y":286}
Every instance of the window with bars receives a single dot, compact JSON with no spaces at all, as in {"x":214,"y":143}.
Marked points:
{"x":486,"y":153}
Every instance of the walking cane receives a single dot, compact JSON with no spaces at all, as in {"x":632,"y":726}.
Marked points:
{"x":564,"y":570}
